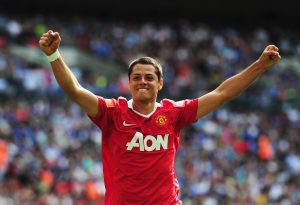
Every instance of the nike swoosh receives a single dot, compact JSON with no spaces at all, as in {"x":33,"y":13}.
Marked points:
{"x":126,"y":125}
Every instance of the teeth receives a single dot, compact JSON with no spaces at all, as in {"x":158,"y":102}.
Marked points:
{"x":142,"y":89}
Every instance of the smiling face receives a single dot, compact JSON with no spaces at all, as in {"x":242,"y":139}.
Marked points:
{"x":144,"y":83}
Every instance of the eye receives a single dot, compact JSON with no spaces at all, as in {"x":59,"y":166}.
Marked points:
{"x":136,"y":78}
{"x":149,"y":78}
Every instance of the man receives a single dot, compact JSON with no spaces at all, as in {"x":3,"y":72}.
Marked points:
{"x":140,"y":137}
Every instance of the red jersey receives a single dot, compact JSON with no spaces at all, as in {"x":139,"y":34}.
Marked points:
{"x":138,"y":151}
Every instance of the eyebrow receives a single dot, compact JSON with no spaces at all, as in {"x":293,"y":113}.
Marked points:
{"x":147,"y":74}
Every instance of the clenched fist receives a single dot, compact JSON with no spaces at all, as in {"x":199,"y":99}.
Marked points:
{"x":270,"y":56}
{"x":49,"y":42}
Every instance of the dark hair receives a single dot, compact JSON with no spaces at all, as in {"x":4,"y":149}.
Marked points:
{"x":147,"y":61}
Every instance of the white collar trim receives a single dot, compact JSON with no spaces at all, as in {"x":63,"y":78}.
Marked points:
{"x":130,"y":105}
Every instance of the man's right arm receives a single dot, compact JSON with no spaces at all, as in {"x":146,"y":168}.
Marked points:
{"x":49,"y":43}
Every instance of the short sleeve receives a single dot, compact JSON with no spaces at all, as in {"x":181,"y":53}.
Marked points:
{"x":102,"y":116}
{"x":187,"y":112}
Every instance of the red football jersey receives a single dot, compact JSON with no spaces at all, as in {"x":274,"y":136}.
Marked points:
{"x":138,"y":151}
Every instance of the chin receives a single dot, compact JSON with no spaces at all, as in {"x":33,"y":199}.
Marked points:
{"x":142,"y":98}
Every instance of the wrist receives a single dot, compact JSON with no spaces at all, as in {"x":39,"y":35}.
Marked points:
{"x":54,"y":56}
{"x":260,"y":66}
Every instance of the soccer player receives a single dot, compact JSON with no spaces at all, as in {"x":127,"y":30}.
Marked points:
{"x":140,"y":136}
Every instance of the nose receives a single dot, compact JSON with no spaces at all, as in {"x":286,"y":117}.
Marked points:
{"x":143,"y":80}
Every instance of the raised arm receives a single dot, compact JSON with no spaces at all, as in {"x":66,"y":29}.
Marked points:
{"x":49,"y":43}
{"x":233,"y":86}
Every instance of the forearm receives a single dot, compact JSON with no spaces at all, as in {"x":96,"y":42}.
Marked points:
{"x":49,"y":43}
{"x":233,"y":86}
{"x":65,"y":78}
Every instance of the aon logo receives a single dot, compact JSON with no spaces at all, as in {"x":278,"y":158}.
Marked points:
{"x":149,"y":143}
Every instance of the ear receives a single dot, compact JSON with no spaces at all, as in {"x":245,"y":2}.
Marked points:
{"x":161,"y":83}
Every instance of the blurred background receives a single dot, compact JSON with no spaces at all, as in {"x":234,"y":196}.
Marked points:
{"x":245,"y":153}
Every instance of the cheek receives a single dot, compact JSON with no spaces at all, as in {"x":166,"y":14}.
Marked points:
{"x":131,"y":85}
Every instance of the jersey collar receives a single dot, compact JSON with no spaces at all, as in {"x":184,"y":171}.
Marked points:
{"x":143,"y":115}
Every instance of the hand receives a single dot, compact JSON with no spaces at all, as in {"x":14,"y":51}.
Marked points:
{"x":270,"y":56}
{"x":49,"y":42}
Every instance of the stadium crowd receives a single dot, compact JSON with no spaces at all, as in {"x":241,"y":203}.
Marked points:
{"x":243,"y":154}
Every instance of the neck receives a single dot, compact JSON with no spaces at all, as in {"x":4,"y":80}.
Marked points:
{"x":143,"y":107}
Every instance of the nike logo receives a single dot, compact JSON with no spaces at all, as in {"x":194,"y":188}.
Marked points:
{"x":127,"y":125}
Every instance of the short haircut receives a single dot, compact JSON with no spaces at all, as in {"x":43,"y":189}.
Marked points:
{"x":147,"y":61}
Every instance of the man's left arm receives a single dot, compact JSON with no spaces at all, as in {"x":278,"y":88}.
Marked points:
{"x":236,"y":84}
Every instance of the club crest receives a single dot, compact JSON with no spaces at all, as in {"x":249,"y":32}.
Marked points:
{"x":161,"y":120}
